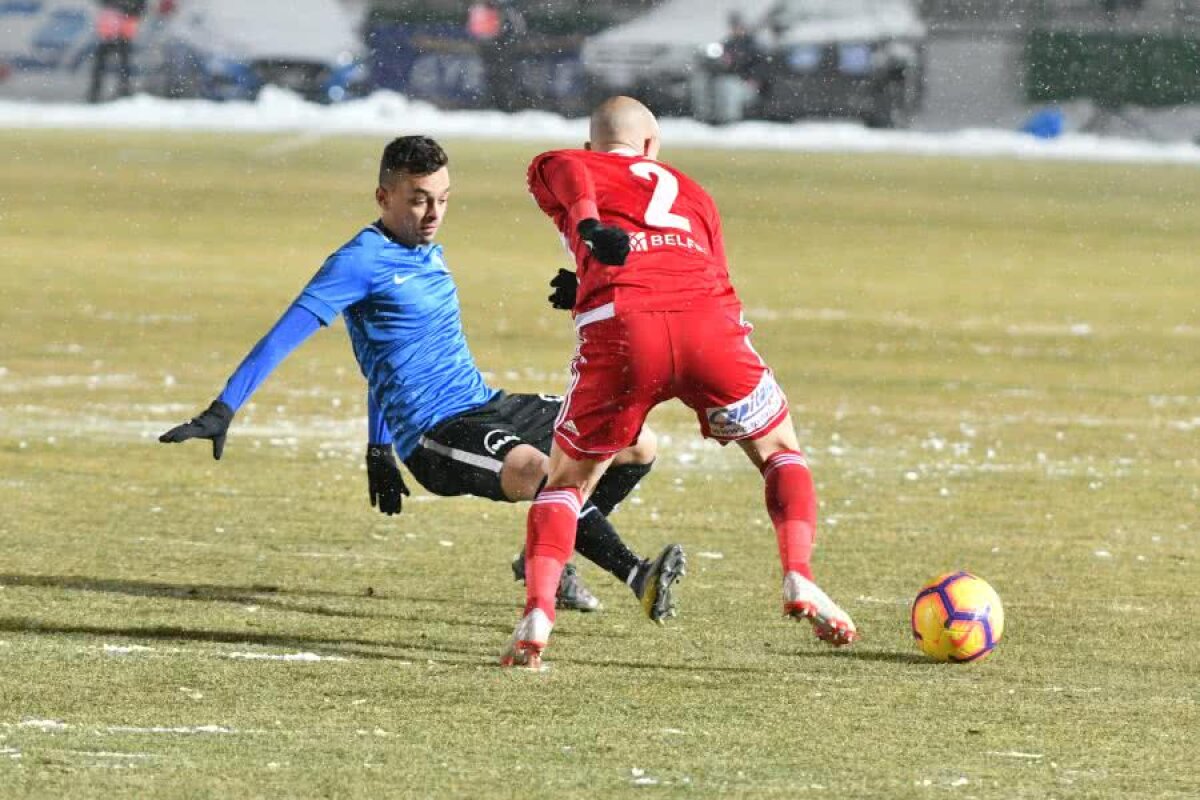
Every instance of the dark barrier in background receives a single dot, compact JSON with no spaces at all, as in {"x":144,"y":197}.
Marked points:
{"x":439,"y":63}
{"x":1113,"y":69}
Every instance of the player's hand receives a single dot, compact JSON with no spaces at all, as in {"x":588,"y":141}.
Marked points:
{"x":212,"y":423}
{"x":608,"y":243}
{"x":384,"y":481}
{"x":565,"y":285}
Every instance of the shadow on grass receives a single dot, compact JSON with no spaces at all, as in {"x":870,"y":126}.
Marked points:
{"x":660,"y":666}
{"x":356,"y":648}
{"x":467,"y":599}
{"x":140,"y":588}
{"x":859,"y":653}
{"x":263,"y":595}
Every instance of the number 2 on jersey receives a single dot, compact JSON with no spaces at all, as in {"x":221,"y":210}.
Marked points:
{"x":666,"y":189}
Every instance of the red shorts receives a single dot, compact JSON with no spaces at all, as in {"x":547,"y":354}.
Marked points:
{"x":627,"y":365}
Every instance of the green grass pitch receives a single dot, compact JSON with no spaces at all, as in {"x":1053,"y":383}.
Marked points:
{"x":994,"y":365}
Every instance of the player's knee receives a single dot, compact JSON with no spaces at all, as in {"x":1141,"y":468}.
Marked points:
{"x":646,"y":449}
{"x":523,"y":472}
{"x":643,"y":451}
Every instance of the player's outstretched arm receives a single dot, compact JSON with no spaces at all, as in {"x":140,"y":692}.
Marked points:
{"x":211,"y":423}
{"x":385,"y":483}
{"x":296,"y":325}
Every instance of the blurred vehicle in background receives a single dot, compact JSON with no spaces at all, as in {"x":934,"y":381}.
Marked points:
{"x":215,"y":49}
{"x":231,"y":49}
{"x":46,"y":48}
{"x":843,"y":58}
{"x":837,"y":58}
{"x":654,"y":56}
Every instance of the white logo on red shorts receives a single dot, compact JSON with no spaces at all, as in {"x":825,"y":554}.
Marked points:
{"x":748,"y":415}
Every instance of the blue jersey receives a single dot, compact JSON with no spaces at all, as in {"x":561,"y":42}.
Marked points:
{"x":401,"y":309}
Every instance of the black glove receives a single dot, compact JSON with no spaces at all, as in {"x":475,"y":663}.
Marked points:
{"x":212,"y":423}
{"x":608,"y":243}
{"x":565,"y":284}
{"x":385,"y":484}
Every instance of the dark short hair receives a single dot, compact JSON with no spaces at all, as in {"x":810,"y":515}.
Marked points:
{"x":411,"y":155}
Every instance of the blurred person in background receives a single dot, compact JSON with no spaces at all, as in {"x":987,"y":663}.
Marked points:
{"x":742,"y":56}
{"x":732,"y":79}
{"x":116,"y":26}
{"x":497,"y":26}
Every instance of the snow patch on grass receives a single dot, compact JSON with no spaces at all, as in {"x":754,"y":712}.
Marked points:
{"x":1015,"y":754}
{"x":107,"y":754}
{"x":126,"y":649}
{"x":184,"y":730}
{"x":43,"y":724}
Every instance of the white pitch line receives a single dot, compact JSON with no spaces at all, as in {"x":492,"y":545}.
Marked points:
{"x":1015,"y":754}
{"x":300,"y":657}
{"x":106,"y":754}
{"x":54,"y":726}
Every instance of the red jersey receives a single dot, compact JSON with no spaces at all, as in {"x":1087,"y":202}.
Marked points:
{"x":677,"y":256}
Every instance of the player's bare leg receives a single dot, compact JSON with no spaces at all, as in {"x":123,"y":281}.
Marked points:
{"x":549,"y":542}
{"x":792,"y":505}
{"x":525,"y":470}
{"x":526,"y":467}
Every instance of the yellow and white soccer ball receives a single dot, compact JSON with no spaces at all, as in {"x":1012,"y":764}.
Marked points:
{"x":957,"y":617}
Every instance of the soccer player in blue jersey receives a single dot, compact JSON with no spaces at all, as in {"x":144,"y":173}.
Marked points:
{"x":426,"y":399}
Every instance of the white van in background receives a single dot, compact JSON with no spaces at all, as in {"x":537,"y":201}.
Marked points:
{"x":654,"y":56}
{"x":840,"y":58}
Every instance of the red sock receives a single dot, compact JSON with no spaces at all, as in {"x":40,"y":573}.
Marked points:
{"x":792,"y":504}
{"x":549,"y":542}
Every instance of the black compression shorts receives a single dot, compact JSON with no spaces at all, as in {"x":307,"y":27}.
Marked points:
{"x":463,"y":454}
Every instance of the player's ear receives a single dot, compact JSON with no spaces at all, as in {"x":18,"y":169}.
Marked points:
{"x":650,"y":147}
{"x":381,"y":197}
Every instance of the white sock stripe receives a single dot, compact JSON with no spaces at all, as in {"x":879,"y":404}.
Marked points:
{"x":560,"y":493}
{"x":784,"y":459}
{"x":778,"y":462}
{"x":574,"y":511}
{"x":568,"y":499}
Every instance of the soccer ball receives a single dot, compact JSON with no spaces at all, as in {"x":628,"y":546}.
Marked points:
{"x":957,"y":617}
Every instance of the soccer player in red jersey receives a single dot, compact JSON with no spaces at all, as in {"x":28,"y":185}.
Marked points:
{"x":656,"y":318}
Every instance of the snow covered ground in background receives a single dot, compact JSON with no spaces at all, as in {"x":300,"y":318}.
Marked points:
{"x":388,"y":114}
